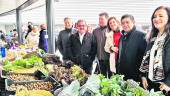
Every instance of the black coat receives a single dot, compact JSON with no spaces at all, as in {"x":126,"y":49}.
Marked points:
{"x":166,"y":61}
{"x":83,"y":54}
{"x":62,"y":42}
{"x":165,"y":58}
{"x":43,"y":40}
{"x":131,"y":50}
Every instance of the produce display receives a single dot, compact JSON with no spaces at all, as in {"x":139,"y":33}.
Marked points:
{"x":40,"y":86}
{"x":22,"y":91}
{"x":25,"y":70}
{"x":79,"y":74}
{"x":30,"y":54}
{"x":116,"y":86}
{"x":51,"y":59}
{"x":20,"y":77}
{"x":23,"y":63}
{"x":69,"y":75}
{"x":68,"y":78}
{"x":34,"y":93}
{"x":18,"y":52}
{"x":98,"y":85}
{"x":32,"y":86}
{"x":10,"y":55}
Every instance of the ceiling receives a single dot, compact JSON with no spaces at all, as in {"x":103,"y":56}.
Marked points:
{"x":88,"y":10}
{"x":8,"y":5}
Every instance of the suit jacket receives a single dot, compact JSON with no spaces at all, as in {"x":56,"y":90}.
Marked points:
{"x":82,"y":54}
{"x":131,"y":50}
{"x":62,"y":42}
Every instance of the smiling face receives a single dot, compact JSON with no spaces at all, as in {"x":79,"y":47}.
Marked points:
{"x":160,"y":19}
{"x":102,"y":21}
{"x":127,"y":24}
{"x":113,"y":25}
{"x":82,"y":27}
{"x":68,"y":23}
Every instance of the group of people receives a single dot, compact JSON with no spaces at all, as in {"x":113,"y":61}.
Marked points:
{"x":121,"y":48}
{"x":36,"y":37}
{"x":33,"y":37}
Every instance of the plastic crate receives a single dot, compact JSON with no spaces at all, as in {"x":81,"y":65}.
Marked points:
{"x":2,"y":84}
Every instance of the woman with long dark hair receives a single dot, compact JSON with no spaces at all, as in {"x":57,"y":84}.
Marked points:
{"x":156,"y":62}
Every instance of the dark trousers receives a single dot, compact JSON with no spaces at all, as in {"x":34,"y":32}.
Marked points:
{"x":104,"y":68}
{"x":87,"y":69}
{"x":153,"y":85}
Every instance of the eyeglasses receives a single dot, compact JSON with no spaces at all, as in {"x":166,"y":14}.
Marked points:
{"x":81,"y":25}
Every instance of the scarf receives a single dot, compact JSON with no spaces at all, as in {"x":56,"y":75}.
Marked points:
{"x":156,"y":71}
{"x":152,"y":62}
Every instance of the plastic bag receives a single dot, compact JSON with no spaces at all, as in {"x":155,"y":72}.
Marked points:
{"x":91,"y":87}
{"x":71,"y":90}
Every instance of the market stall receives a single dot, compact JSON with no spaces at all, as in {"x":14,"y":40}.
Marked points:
{"x":35,"y":73}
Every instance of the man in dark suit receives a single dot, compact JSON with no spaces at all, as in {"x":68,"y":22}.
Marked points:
{"x":131,"y":49}
{"x":82,"y":47}
{"x":63,"y":38}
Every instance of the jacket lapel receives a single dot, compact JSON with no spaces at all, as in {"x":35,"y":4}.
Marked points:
{"x":167,"y":40}
{"x":77,"y":37}
{"x":84,"y":38}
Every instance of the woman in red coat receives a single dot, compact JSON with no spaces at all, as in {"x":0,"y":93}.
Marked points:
{"x":112,"y":41}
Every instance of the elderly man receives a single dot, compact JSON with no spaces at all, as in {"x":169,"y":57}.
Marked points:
{"x":82,"y":47}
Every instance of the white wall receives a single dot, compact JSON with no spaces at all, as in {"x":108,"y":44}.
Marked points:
{"x":2,"y":27}
{"x":6,"y":28}
{"x":89,"y":10}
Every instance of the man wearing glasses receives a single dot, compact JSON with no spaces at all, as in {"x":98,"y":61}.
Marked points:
{"x":82,"y":47}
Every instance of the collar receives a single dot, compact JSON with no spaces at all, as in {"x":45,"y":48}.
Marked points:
{"x":103,"y":27}
{"x":68,"y":29}
{"x":82,"y":34}
{"x":128,"y":33}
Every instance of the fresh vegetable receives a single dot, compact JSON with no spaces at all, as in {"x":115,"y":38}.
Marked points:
{"x":111,"y":87}
{"x":23,"y":63}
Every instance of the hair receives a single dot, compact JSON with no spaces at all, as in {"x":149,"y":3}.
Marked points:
{"x":1,"y":31}
{"x":81,"y":20}
{"x":116,"y":22}
{"x":29,"y":30}
{"x":104,"y":14}
{"x":14,"y":29}
{"x":66,"y":18}
{"x":43,"y":26}
{"x":154,"y":30}
{"x":30,"y":23}
{"x":128,"y":16}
